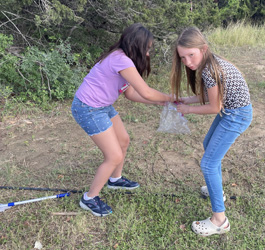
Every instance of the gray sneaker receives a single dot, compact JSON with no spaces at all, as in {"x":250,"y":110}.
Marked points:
{"x":123,"y":183}
{"x":96,"y":206}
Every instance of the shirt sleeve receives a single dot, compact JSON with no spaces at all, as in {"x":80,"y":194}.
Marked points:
{"x":120,"y":61}
{"x":208,"y":80}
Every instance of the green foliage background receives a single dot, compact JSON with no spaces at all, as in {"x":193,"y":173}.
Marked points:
{"x":48,"y":46}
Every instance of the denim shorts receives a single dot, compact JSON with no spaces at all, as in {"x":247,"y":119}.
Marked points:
{"x":92,"y":120}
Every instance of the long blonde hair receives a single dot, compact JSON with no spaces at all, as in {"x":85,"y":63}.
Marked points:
{"x":193,"y":38}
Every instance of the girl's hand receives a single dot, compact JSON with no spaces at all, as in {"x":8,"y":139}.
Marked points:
{"x":172,"y":98}
{"x":182,"y":108}
{"x":184,"y":100}
{"x":189,"y":99}
{"x":160,"y":103}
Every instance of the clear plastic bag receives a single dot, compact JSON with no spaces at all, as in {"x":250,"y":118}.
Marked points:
{"x":172,"y":121}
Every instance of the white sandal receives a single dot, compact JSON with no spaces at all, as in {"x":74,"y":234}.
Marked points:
{"x":205,"y":192}
{"x":207,"y":228}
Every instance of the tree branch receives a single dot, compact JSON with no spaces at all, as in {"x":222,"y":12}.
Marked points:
{"x":7,"y":22}
{"x":16,"y":27}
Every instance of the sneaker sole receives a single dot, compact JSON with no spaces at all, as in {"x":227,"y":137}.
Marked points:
{"x":128,"y":188}
{"x":82,"y":205}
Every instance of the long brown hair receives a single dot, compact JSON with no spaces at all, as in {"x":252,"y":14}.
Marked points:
{"x":134,"y":41}
{"x":193,"y":38}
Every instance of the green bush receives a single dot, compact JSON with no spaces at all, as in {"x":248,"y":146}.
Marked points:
{"x":40,"y":75}
{"x":8,"y":73}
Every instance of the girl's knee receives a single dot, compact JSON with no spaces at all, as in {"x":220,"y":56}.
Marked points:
{"x":125,"y":142}
{"x":203,"y":165}
{"x":115,"y":159}
{"x":206,"y":165}
{"x":210,"y":166}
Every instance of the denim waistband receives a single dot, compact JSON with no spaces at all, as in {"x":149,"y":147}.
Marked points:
{"x":236,"y":110}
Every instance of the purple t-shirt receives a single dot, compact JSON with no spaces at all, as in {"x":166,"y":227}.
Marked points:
{"x":103,"y":85}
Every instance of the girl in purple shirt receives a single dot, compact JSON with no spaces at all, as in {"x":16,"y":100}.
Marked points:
{"x":117,"y":71}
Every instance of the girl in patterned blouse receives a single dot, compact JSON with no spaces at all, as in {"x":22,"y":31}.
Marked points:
{"x":219,"y":88}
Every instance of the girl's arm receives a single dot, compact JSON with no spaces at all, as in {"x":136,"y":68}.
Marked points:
{"x":133,"y":95}
{"x":189,"y":99}
{"x":213,"y":107}
{"x":132,"y":76}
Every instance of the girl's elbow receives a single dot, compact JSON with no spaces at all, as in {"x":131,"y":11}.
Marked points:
{"x":127,"y":95}
{"x":148,"y":95}
{"x":217,"y":110}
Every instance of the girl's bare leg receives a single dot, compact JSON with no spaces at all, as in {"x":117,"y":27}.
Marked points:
{"x":124,"y":141}
{"x":218,"y":219}
{"x":113,"y":143}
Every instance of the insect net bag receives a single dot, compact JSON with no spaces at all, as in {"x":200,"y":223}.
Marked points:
{"x":172,"y":121}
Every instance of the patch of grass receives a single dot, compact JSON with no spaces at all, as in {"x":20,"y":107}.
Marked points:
{"x":156,"y":222}
{"x":261,"y":85}
{"x":237,"y":35}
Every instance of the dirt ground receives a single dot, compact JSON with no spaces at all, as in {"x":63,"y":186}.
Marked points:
{"x":51,"y":149}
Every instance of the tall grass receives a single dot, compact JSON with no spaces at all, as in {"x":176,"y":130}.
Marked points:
{"x":237,"y":35}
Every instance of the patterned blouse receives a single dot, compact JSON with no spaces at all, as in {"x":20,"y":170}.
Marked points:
{"x":236,"y":92}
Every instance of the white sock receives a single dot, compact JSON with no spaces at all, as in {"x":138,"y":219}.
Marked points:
{"x":86,"y":198}
{"x":114,"y":179}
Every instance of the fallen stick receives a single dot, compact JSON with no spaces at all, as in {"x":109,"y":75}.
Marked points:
{"x":64,"y":213}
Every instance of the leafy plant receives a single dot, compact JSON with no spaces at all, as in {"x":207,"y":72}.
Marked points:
{"x":40,"y":75}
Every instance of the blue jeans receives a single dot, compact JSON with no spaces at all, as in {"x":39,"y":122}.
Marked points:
{"x":221,"y":135}
{"x":92,"y":120}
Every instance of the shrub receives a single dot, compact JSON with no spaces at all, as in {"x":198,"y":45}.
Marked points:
{"x":40,"y":75}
